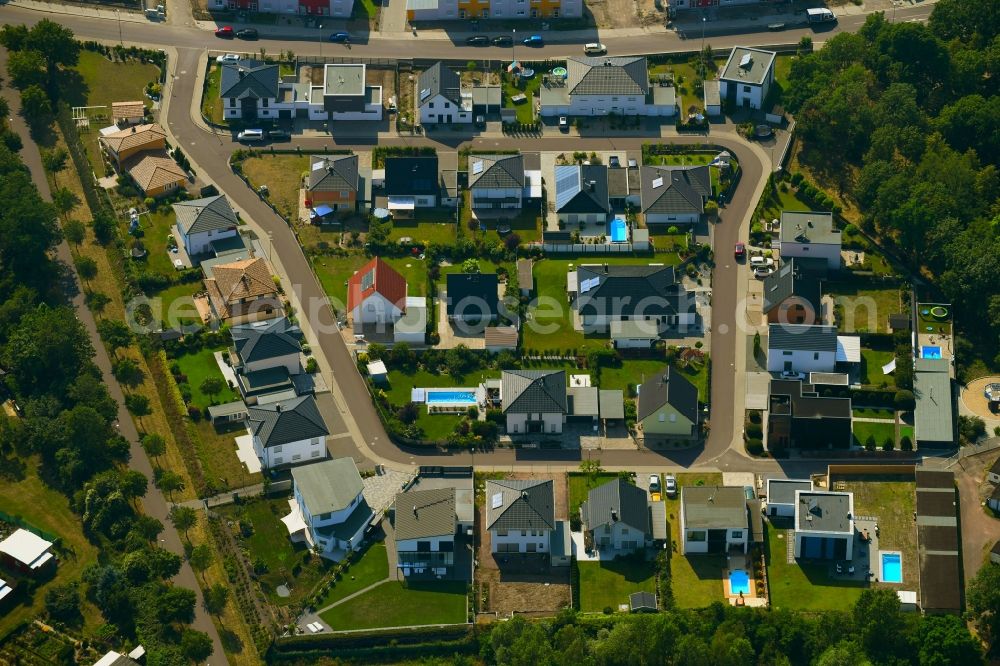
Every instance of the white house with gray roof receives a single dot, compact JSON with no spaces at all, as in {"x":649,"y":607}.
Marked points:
{"x":801,"y":348}
{"x":201,"y":222}
{"x":424,"y":523}
{"x":747,"y":76}
{"x":263,"y":345}
{"x":674,"y":195}
{"x":609,"y":294}
{"x":824,"y":525}
{"x":617,"y":516}
{"x":497,"y":182}
{"x":249,"y":90}
{"x":582,"y":193}
{"x":781,"y":495}
{"x":288,"y":432}
{"x":714,"y":519}
{"x":440,"y":99}
{"x":520,"y":515}
{"x":606,"y":85}
{"x":809,"y":234}
{"x":533,"y":401}
{"x":328,"y":508}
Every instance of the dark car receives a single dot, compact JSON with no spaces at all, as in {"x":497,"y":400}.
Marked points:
{"x":247,"y":33}
{"x":503,"y":40}
{"x":225,"y":31}
{"x":279,"y":135}
{"x":478,"y":40}
{"x":775,"y":27}
{"x":534,"y":40}
{"x":340,"y":38}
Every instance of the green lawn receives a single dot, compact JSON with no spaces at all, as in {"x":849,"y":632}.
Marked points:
{"x":804,"y":586}
{"x":630,"y":374}
{"x":439,"y":232}
{"x":436,"y":427}
{"x":334,"y":272}
{"x":906,"y":431}
{"x":863,"y":308}
{"x":372,"y":567}
{"x":211,"y":103}
{"x":198,"y":367}
{"x":880,"y":431}
{"x":526,"y":109}
{"x":156,"y":228}
{"x":696,"y":580}
{"x":683,"y":159}
{"x":102,"y":82}
{"x":397,"y":604}
{"x":934,"y":324}
{"x":892,"y":500}
{"x":872,"y":362}
{"x":872,"y":413}
{"x":176,"y":304}
{"x":608,"y":583}
{"x":283,"y":176}
{"x":216,"y":450}
{"x":580,"y":484}
{"x":527,"y":224}
{"x":685,"y":77}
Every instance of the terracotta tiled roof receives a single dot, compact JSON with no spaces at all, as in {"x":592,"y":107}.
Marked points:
{"x":133,"y":137}
{"x":239,"y":281}
{"x":154,"y":170}
{"x":128,"y":110}
{"x":376,"y":276}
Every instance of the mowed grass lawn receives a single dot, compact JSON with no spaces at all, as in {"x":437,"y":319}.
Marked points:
{"x":283,"y":176}
{"x":211,"y":103}
{"x":156,"y":228}
{"x":397,"y":604}
{"x":804,"y":585}
{"x":880,"y":431}
{"x":199,"y":367}
{"x":526,"y":109}
{"x":696,"y":580}
{"x":334,"y":272}
{"x":580,"y":484}
{"x":604,"y":584}
{"x":872,"y":362}
{"x":372,"y":567}
{"x":892,"y":501}
{"x":436,"y":427}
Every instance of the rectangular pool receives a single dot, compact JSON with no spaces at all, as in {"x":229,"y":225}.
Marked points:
{"x":739,"y":581}
{"x":619,"y":231}
{"x":930,"y":352}
{"x":892,"y":567}
{"x":451,"y":397}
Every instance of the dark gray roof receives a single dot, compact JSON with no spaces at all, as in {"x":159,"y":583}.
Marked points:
{"x":331,"y":173}
{"x":668,"y":387}
{"x":800,"y":401}
{"x":607,"y":76}
{"x":412,"y":176}
{"x":819,"y":511}
{"x":439,"y":80}
{"x":674,"y":189}
{"x":329,"y":485}
{"x":582,"y":188}
{"x":264,"y":340}
{"x":782,"y":491}
{"x":789,"y":281}
{"x":802,"y":337}
{"x":714,"y":507}
{"x":287,"y":421}
{"x":249,"y":79}
{"x":425,"y":513}
{"x":519,"y":505}
{"x":612,"y":402}
{"x":617,"y":501}
{"x":473,"y":294}
{"x":208,"y":214}
{"x":497,"y":171}
{"x":361,"y":514}
{"x":534,"y":391}
{"x":624,"y":290}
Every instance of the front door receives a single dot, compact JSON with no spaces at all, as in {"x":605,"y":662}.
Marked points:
{"x":788,"y":366}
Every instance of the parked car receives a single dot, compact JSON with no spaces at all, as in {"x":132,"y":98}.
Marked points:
{"x":762,"y":272}
{"x":478,"y":40}
{"x":791,"y":374}
{"x":654,"y":483}
{"x":279,"y":135}
{"x":503,"y":40}
{"x":247,"y":33}
{"x":563,"y":124}
{"x":225,"y":32}
{"x":250,"y":135}
{"x":614,"y":162}
{"x":534,"y":40}
{"x":229,"y":57}
{"x":670,"y":483}
{"x":740,"y":251}
{"x":759,"y":260}
{"x":775,"y":27}
{"x":595,"y":48}
{"x":340,"y":37}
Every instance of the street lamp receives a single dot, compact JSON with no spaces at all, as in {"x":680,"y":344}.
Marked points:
{"x":513,"y":43}
{"x":703,"y":20}
{"x":320,"y":28}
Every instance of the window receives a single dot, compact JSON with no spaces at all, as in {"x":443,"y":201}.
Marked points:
{"x":343,"y":194}
{"x":815,"y":356}
{"x":297,"y":456}
{"x":624,"y":531}
{"x":614,"y":99}
{"x":447,"y":105}
{"x":786,"y":353}
{"x":232,"y":102}
{"x":277,"y":449}
{"x":746,"y":89}
{"x":431,"y":105}
{"x":502,"y":533}
{"x":531,"y":547}
{"x":265,"y":101}
{"x":278,"y":460}
{"x":315,"y":441}
{"x":736,"y":534}
{"x":423,"y":546}
{"x":314,"y":454}
{"x":697,"y":535}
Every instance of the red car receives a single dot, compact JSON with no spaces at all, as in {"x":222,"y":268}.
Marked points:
{"x":740,"y":251}
{"x":225,"y":31}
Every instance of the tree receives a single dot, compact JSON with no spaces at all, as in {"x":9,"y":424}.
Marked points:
{"x":183,"y":518}
{"x":511,"y":241}
{"x":470,"y":266}
{"x":201,"y":558}
{"x":169,"y":482}
{"x":844,"y":653}
{"x":26,"y":68}
{"x":55,"y":43}
{"x":904,"y":400}
{"x":54,"y":160}
{"x":154,"y":445}
{"x":35,"y":106}
{"x":591,"y":466}
{"x":945,"y":640}
{"x":879,"y":624}
{"x":137,"y":405}
{"x":62,"y":603}
{"x":97,"y":300}
{"x":115,"y":334}
{"x":47,"y":350}
{"x":983,"y":599}
{"x":104,"y":228}
{"x":87,"y":268}
{"x":64,"y":200}
{"x":75,"y":232}
{"x":215,"y":599}
{"x":212,"y":386}
{"x":128,"y":373}
{"x":196,"y":645}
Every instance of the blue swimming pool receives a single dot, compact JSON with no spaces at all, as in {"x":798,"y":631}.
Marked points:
{"x":892,"y":568}
{"x":619,"y":232}
{"x":930,"y":352}
{"x":451,"y":397}
{"x":739,"y":581}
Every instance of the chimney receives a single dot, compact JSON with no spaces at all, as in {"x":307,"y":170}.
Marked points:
{"x":524,"y":494}
{"x":414,"y":510}
{"x":614,"y":515}
{"x":591,"y":184}
{"x":277,"y":407}
{"x":133,"y":129}
{"x":605,"y":269}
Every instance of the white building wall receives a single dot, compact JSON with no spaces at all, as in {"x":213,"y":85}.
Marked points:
{"x":289,"y":361}
{"x":592,"y":323}
{"x":617,"y":535}
{"x":525,"y":541}
{"x":602,"y":105}
{"x":676,"y":218}
{"x":293,"y":453}
{"x":830,"y":252}
{"x":484,"y":196}
{"x":576,"y":218}
{"x":376,"y":309}
{"x":439,"y":109}
{"x":747,"y":92}
{"x":801,"y":361}
{"x":517,"y":424}
{"x":201,"y":242}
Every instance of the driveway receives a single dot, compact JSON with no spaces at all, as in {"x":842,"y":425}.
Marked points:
{"x":979,"y":530}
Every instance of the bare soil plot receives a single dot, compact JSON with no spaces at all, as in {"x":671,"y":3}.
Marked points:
{"x":613,"y":13}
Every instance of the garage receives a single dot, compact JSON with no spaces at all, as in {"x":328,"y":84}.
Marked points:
{"x":823,"y":548}
{"x":285,"y":114}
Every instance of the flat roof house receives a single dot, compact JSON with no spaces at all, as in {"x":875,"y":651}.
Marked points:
{"x":781,"y":500}
{"x":249,"y":90}
{"x":934,"y":418}
{"x":333,"y":181}
{"x":201,"y":222}
{"x":328,"y":507}
{"x":799,"y":418}
{"x":824,"y":525}
{"x":606,"y":294}
{"x":617,"y":516}
{"x":790,"y":297}
{"x":520,"y":515}
{"x":714,"y":519}
{"x":582,"y":193}
{"x":26,"y":553}
{"x":801,"y":348}
{"x":376,"y":294}
{"x":425,"y":525}
{"x":288,"y":432}
{"x":603,"y":86}
{"x":668,"y":405}
{"x":809,"y":235}
{"x":440,"y":99}
{"x":746,"y":77}
{"x":497,"y":182}
{"x":674,"y":195}
{"x":533,"y":401}
{"x":411,"y":182}
{"x":472,"y":297}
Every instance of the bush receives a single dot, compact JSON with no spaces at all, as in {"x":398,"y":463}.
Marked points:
{"x":755,"y":447}
{"x":904,"y":400}
{"x":888,"y":444}
{"x":754,"y":431}
{"x":870,"y":443}
{"x":905,"y":444}
{"x":311,"y":365}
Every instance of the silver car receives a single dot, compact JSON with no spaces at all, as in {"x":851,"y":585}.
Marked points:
{"x":670,"y":484}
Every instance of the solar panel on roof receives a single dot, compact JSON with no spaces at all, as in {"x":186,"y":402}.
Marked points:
{"x":497,"y":500}
{"x":367,"y":280}
{"x":587,"y":285}
{"x":657,"y":182}
{"x":477,"y":167}
{"x":425,"y":93}
{"x":568,"y":180}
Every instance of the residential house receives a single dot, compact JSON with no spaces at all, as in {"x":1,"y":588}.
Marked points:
{"x":616,"y":516}
{"x":603,"y":86}
{"x":520,"y":515}
{"x":606,"y":294}
{"x":801,"y":348}
{"x":496,"y":182}
{"x":424,"y":523}
{"x":313,"y":8}
{"x":712,"y":95}
{"x":824,"y":525}
{"x":288,"y":432}
{"x":582,"y":193}
{"x":533,"y":401}
{"x":376,"y":294}
{"x":441,"y":99}
{"x":411,"y":182}
{"x":498,"y":338}
{"x":249,"y":90}
{"x":438,"y":10}
{"x":993,"y":473}
{"x":934,"y":417}
{"x":133,"y":658}
{"x":714,"y":519}
{"x":122,"y":144}
{"x":243,"y":291}
{"x":668,"y":405}
{"x":411,"y":328}
{"x":26,"y":553}
{"x":333,"y":182}
{"x":155,"y":175}
{"x":746,"y":77}
{"x":674,"y":195}
{"x":625,"y":185}
{"x":328,"y":507}
{"x":472,"y":297}
{"x":128,"y":113}
{"x":345,"y":94}
{"x":266,"y":357}
{"x":201,"y":222}
{"x":791,"y":297}
{"x":781,"y":500}
{"x":809,"y":235}
{"x":799,"y":418}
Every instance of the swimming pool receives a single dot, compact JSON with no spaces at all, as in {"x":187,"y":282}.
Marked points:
{"x":930,"y":352}
{"x":451,"y":397}
{"x":619,"y":232}
{"x":892,"y":567}
{"x":739,"y":581}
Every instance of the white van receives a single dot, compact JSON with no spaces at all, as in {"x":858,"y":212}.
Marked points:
{"x":820,"y":15}
{"x":250,"y":135}
{"x":757,"y":260}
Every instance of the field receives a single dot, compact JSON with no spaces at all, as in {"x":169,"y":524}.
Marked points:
{"x":608,"y":584}
{"x":696,"y":580}
{"x":397,"y":604}
{"x":806,"y":585}
{"x":370,"y":569}
{"x":199,"y":367}
{"x":283,"y":176}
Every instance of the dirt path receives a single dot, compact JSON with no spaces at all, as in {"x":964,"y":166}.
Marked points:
{"x":979,"y":530}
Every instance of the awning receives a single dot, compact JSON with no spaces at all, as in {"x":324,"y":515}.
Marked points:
{"x":402,"y":203}
{"x":321,"y":211}
{"x":889,"y":367}
{"x":848,"y":349}
{"x":294,"y":521}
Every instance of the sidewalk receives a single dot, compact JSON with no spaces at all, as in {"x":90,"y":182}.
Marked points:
{"x":88,"y":11}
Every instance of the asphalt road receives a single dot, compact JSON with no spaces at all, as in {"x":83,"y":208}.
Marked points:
{"x":154,"y":503}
